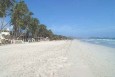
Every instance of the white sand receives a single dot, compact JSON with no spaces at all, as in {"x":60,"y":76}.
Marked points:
{"x":57,"y":59}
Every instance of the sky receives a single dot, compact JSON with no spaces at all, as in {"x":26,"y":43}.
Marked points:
{"x":76,"y":18}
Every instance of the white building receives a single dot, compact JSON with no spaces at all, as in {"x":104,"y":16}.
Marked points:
{"x":2,"y":36}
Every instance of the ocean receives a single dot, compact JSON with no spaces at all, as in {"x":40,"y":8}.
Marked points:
{"x":105,"y":42}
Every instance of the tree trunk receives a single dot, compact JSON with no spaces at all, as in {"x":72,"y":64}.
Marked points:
{"x":15,"y":31}
{"x":2,"y":23}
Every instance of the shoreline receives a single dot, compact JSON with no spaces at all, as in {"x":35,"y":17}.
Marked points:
{"x":104,"y":42}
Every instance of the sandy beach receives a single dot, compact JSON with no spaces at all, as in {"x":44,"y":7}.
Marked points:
{"x":68,"y":58}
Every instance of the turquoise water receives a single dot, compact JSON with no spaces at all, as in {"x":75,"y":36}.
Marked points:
{"x":105,"y":42}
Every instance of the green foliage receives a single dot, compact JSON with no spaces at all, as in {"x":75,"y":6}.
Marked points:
{"x":42,"y":30}
{"x":34,"y":26}
{"x":59,"y":37}
{"x":5,"y":7}
{"x":20,"y":10}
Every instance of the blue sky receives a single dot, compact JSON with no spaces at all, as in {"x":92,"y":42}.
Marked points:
{"x":78,"y":18}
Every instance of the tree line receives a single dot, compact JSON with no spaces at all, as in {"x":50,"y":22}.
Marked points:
{"x":22,"y":20}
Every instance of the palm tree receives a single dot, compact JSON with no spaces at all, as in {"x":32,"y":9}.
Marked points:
{"x":17,"y":17}
{"x":25,"y":27}
{"x":5,"y":9}
{"x":44,"y":32}
{"x":27,"y":23}
{"x":34,"y":26}
{"x":50,"y":34}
